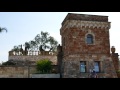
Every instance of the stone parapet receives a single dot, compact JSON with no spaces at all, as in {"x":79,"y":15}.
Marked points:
{"x":31,"y":53}
{"x":85,"y":17}
{"x":85,"y":24}
{"x":16,"y":58}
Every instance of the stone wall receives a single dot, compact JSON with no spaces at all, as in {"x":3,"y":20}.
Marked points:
{"x":71,"y":66}
{"x":52,"y":58}
{"x":85,"y":17}
{"x":13,"y":72}
{"x":75,"y":48}
{"x":115,"y":60}
{"x":18,"y":71}
{"x":45,"y":76}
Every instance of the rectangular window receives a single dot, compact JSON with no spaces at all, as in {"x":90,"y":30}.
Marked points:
{"x":97,"y":66}
{"x":83,"y":66}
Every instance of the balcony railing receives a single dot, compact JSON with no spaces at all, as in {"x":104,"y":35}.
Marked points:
{"x":30,"y":53}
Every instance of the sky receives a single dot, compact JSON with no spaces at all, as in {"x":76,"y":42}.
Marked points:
{"x":24,"y":26}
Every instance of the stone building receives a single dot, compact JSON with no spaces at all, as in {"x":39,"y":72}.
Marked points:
{"x":86,"y":46}
{"x":31,"y":57}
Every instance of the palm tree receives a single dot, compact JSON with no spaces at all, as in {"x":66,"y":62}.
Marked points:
{"x":2,"y":29}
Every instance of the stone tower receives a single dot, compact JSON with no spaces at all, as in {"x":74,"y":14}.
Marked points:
{"x":86,"y":46}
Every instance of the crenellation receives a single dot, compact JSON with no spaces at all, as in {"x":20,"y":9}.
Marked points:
{"x":85,"y":17}
{"x":33,"y":53}
{"x":86,"y":24}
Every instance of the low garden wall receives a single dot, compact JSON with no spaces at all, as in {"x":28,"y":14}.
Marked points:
{"x":18,"y":71}
{"x":45,"y":76}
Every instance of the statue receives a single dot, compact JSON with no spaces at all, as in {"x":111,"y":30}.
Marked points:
{"x":21,"y":50}
{"x":26,"y":51}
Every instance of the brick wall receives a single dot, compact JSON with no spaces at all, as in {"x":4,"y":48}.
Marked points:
{"x":74,"y":31}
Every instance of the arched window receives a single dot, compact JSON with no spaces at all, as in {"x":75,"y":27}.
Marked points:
{"x":89,"y":39}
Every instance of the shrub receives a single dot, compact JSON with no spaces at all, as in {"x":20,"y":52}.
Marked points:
{"x":118,"y":71}
{"x":8,"y":63}
{"x":44,"y":66}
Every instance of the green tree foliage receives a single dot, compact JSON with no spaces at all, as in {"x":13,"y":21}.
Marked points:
{"x":16,"y":48}
{"x":53,"y":44}
{"x":44,"y":66}
{"x":41,"y":42}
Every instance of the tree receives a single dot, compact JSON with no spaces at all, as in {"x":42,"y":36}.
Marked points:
{"x":42,"y":42}
{"x":32,"y":44}
{"x":16,"y":49}
{"x":44,"y":66}
{"x":53,"y":44}
{"x":2,"y":29}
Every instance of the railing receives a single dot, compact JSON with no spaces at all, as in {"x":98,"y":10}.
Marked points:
{"x":13,"y":53}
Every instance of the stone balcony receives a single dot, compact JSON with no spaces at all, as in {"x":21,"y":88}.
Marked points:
{"x":29,"y":53}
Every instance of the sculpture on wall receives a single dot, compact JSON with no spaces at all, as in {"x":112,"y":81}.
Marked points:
{"x":26,"y":51}
{"x":21,"y":50}
{"x":27,"y":46}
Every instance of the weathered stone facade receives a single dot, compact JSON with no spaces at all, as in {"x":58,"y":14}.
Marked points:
{"x":75,"y":48}
{"x":115,"y":58}
{"x":20,"y":71}
{"x":18,"y":58}
{"x":14,"y":72}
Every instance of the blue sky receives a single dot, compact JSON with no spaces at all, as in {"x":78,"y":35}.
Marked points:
{"x":24,"y":26}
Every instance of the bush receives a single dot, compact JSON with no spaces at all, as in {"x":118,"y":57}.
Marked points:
{"x":118,"y":71}
{"x":44,"y":66}
{"x":8,"y":63}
